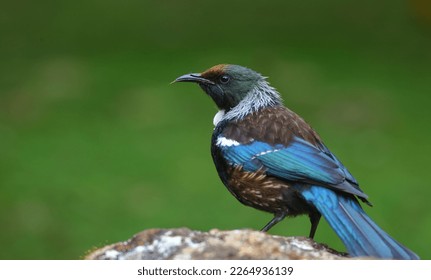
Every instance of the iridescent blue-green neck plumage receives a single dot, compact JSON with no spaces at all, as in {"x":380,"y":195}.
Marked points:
{"x":236,"y":90}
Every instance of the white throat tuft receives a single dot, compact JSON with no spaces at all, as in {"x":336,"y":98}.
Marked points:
{"x":218,"y":117}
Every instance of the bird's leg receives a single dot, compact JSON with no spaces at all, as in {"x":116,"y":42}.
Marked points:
{"x":314,"y":219}
{"x":277,"y":218}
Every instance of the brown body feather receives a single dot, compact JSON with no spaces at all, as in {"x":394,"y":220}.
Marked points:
{"x":270,"y":125}
{"x":257,"y":189}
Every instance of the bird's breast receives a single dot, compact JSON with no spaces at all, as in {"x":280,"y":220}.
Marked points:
{"x":257,"y":190}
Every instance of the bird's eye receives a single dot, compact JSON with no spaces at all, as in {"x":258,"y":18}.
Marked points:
{"x":224,"y":79}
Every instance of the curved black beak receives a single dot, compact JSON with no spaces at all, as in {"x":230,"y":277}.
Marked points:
{"x":193,"y":77}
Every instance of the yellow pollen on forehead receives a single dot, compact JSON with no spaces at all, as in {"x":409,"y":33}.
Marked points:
{"x":214,"y":71}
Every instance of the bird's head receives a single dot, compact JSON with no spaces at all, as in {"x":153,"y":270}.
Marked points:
{"x":227,"y":84}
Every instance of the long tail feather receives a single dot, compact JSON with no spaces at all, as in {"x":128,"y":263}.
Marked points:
{"x":361,"y":235}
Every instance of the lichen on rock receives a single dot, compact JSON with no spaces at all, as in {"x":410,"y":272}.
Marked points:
{"x":186,"y":244}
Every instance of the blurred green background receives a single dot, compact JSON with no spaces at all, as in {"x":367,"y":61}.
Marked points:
{"x":96,"y":145}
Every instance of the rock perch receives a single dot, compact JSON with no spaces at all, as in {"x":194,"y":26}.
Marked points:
{"x":186,"y":244}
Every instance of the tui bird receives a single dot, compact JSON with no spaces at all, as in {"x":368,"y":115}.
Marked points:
{"x":269,"y":158}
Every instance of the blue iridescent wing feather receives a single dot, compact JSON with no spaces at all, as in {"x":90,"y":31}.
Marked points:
{"x":300,"y":161}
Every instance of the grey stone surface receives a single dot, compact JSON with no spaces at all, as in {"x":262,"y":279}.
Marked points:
{"x":186,"y":244}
